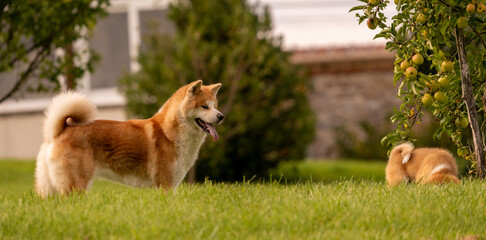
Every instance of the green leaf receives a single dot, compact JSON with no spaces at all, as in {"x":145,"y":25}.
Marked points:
{"x":381,"y":35}
{"x":357,"y":8}
{"x":400,"y":88}
{"x":438,"y":134}
{"x":384,"y":140}
{"x":444,"y":26}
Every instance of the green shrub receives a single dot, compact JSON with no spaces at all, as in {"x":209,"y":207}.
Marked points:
{"x":268,"y":117}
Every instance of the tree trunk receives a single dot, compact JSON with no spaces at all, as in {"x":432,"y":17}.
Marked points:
{"x":468,"y":97}
{"x":69,"y":58}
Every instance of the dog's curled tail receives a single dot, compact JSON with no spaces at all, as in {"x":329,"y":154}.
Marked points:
{"x":404,"y":150}
{"x":68,"y":105}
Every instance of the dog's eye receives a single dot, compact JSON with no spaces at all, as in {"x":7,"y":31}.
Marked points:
{"x":204,"y":107}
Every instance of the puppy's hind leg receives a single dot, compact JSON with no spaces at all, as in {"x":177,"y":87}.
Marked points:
{"x":440,"y":173}
{"x":440,"y":178}
{"x":395,"y":169}
{"x":396,"y":175}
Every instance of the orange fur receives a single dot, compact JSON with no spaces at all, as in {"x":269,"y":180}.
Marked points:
{"x":424,"y":165}
{"x":151,"y":152}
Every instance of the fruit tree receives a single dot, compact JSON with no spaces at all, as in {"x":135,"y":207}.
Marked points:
{"x":440,"y":46}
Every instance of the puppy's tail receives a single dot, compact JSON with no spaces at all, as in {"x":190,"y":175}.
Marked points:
{"x":69,"y":105}
{"x":404,"y":150}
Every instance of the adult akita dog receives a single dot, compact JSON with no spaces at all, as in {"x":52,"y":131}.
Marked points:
{"x":422,"y":165}
{"x":152,"y":152}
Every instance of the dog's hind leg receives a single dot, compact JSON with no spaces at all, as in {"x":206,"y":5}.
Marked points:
{"x":69,"y":172}
{"x":43,"y":183}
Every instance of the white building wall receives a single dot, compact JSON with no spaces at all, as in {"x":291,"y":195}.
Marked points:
{"x":22,"y":132}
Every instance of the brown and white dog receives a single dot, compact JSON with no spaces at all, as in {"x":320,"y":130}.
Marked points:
{"x":152,"y":152}
{"x":422,"y":165}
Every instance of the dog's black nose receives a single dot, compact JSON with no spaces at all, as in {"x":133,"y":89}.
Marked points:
{"x":220,"y":117}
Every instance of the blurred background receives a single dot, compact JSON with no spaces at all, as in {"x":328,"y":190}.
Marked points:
{"x":306,"y":91}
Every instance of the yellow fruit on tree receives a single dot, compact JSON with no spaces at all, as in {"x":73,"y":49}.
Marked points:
{"x":417,"y":59}
{"x":461,"y":122}
{"x":444,"y":82}
{"x":411,"y":73}
{"x":447,"y":66}
{"x":427,"y":100}
{"x":404,"y":65}
{"x":462,"y":22}
{"x":439,"y":96}
{"x":481,"y":7}
{"x":470,"y":8}
{"x":372,"y":23}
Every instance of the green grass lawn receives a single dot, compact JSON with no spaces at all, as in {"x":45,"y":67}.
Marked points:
{"x":345,"y":209}
{"x":329,"y":171}
{"x":18,"y":177}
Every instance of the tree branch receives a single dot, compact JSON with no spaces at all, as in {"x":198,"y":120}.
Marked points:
{"x":235,"y":84}
{"x":478,"y":34}
{"x":470,"y":40}
{"x":46,"y":42}
{"x":23,"y":78}
{"x":233,"y":88}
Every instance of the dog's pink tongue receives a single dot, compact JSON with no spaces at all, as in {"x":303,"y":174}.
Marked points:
{"x":213,"y":132}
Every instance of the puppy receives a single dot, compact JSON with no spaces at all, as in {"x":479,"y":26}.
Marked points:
{"x":422,"y":165}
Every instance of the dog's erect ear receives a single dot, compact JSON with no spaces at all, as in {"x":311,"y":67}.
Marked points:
{"x":214,"y":88}
{"x":194,"y":88}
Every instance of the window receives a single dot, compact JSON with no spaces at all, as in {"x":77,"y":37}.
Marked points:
{"x":110,"y":41}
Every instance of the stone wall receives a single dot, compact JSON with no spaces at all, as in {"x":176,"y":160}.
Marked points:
{"x":350,"y":86}
{"x":344,"y":100}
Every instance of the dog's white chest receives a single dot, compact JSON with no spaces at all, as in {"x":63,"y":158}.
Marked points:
{"x":187,"y":153}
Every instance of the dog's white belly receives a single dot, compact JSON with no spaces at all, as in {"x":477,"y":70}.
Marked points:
{"x":128,"y":179}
